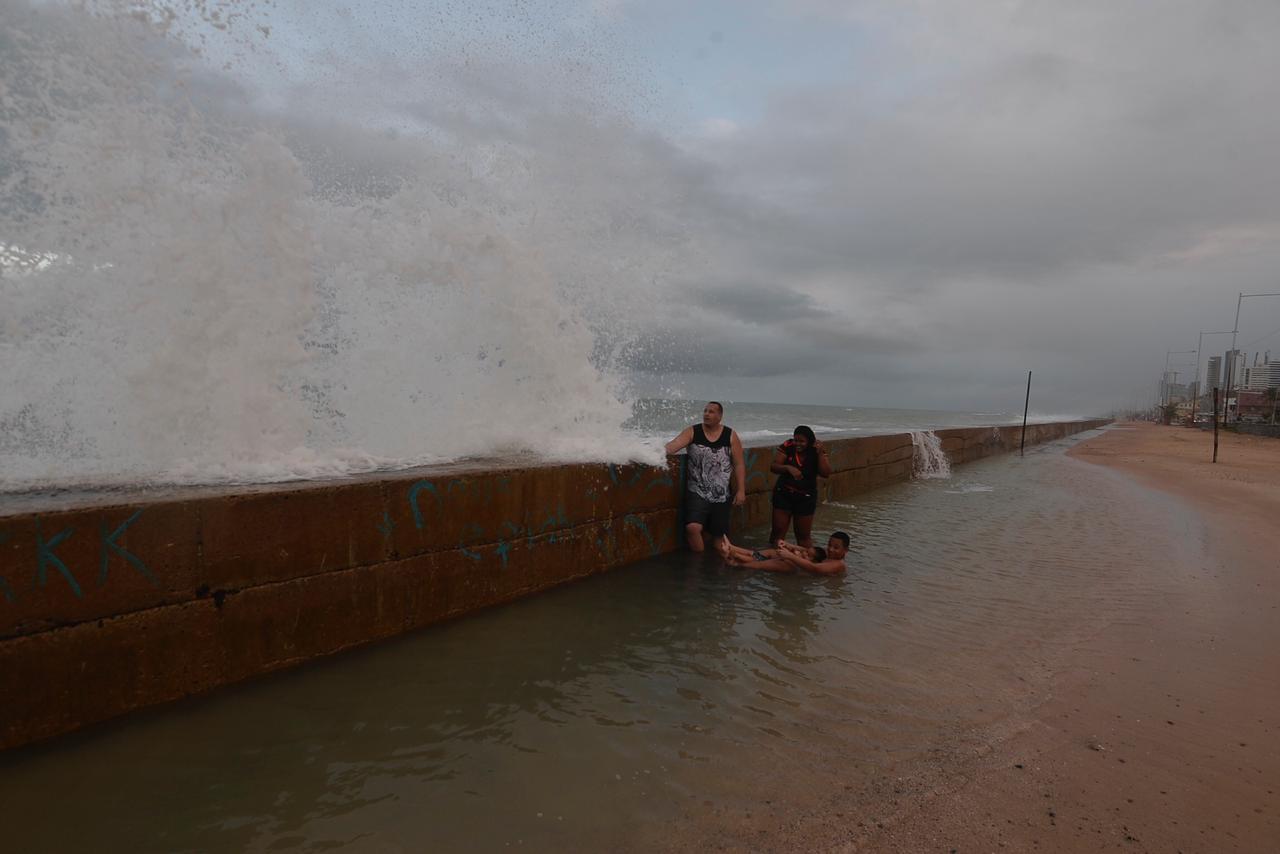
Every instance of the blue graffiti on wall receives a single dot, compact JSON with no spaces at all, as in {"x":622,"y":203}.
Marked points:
{"x":47,"y":557}
{"x":749,"y":462}
{"x":663,"y":477}
{"x":638,"y":523}
{"x":554,"y":528}
{"x":558,"y":519}
{"x":613,"y":476}
{"x":413,"y":500}
{"x":110,"y":546}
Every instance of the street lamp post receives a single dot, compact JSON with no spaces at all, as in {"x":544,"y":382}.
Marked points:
{"x":1196,"y":398}
{"x":1231,"y":368}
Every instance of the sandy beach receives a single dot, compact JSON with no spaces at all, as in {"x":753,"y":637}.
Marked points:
{"x":1161,"y":735}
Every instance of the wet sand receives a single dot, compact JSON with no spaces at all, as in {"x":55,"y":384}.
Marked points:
{"x":1161,"y":734}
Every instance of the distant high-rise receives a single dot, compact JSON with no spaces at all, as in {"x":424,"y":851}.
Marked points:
{"x":1213,"y":376}
{"x":1262,"y":377}
{"x":1233,"y":365}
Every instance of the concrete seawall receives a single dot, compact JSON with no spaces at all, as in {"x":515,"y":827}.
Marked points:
{"x":116,"y":603}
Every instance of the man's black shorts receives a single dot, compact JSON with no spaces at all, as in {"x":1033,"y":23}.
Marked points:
{"x":714,"y":517}
{"x":795,"y":503}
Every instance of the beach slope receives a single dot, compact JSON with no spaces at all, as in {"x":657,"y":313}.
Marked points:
{"x":1164,"y":733}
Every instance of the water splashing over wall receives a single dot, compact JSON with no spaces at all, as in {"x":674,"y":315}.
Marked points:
{"x":930,"y":461}
{"x":229,"y":290}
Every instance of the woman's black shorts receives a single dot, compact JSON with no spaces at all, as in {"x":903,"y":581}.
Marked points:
{"x":795,"y":503}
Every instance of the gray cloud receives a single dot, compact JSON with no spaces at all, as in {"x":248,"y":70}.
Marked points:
{"x":1072,"y":190}
{"x":757,"y":303}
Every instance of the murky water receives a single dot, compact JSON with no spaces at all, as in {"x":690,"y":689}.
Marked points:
{"x":616,"y":712}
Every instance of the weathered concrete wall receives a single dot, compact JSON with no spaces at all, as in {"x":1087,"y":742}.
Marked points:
{"x":118,"y":604}
{"x":1271,"y":431}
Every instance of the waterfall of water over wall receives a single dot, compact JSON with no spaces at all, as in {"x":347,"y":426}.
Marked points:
{"x":930,"y":461}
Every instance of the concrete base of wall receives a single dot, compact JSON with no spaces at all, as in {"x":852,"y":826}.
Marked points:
{"x":1271,"y":431}
{"x":119,"y":604}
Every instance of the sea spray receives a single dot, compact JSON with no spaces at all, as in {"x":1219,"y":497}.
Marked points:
{"x":198,"y":287}
{"x":929,"y":460}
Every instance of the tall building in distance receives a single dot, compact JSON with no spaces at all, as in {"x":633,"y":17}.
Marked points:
{"x":1213,"y":376}
{"x":1262,"y":377}
{"x":1233,"y":365}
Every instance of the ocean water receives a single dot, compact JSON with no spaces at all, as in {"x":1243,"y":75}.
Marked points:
{"x":652,"y":707}
{"x":764,"y":423}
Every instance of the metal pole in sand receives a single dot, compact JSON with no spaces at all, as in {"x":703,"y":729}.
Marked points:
{"x":1215,"y":424}
{"x":1226,"y":400}
{"x":1026,"y":404}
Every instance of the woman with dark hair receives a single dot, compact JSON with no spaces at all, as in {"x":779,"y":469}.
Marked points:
{"x":798,"y":462}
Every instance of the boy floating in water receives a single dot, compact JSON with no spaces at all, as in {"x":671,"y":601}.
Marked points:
{"x":788,"y":558}
{"x":740,"y":555}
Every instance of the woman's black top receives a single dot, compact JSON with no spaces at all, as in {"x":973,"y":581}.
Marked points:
{"x":807,"y":462}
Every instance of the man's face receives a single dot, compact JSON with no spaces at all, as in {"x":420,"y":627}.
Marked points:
{"x":711,"y":415}
{"x":836,"y":549}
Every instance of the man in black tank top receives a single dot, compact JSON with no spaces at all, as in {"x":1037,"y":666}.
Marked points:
{"x":714,"y":460}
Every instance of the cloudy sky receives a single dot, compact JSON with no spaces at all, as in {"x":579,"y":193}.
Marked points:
{"x":875,"y":202}
{"x":938,"y":197}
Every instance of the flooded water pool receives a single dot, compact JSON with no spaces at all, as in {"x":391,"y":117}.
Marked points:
{"x":627,"y":710}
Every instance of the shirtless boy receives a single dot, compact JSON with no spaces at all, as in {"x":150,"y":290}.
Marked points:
{"x":790,"y":558}
{"x":743,"y":555}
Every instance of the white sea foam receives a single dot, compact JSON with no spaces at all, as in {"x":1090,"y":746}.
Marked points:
{"x":750,"y":435}
{"x":198,"y":290}
{"x":821,"y":430}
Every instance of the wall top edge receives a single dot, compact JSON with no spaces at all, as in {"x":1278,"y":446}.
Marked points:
{"x":61,"y":500}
